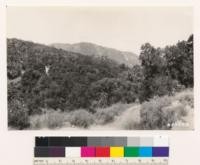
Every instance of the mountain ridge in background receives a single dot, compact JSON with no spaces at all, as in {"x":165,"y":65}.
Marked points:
{"x":87,"y":48}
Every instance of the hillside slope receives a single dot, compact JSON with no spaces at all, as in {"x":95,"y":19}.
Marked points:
{"x":91,"y":49}
{"x":23,"y":55}
{"x":42,"y":77}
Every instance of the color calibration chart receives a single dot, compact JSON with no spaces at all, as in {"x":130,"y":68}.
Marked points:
{"x":101,"y":150}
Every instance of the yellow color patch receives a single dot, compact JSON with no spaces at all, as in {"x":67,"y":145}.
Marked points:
{"x":116,"y":151}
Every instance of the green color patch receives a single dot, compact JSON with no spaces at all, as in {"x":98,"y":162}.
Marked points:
{"x":131,"y":151}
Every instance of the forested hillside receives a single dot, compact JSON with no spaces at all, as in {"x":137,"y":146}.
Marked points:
{"x":85,"y":48}
{"x":43,"y":79}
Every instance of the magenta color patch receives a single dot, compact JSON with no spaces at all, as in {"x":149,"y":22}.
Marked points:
{"x":87,"y":151}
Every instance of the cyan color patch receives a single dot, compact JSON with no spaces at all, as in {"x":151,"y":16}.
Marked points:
{"x":145,"y":151}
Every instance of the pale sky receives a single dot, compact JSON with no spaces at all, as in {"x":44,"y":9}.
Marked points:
{"x":123,"y":28}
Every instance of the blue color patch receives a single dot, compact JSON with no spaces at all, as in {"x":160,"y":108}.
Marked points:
{"x":145,"y":151}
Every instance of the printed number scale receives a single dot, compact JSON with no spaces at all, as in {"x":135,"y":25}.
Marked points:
{"x":103,"y":161}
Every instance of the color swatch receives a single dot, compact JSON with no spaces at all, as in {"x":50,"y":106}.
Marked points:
{"x":116,"y":151}
{"x":131,"y":151}
{"x":115,"y":147}
{"x":102,"y":151}
{"x":145,"y":152}
{"x":88,"y":151}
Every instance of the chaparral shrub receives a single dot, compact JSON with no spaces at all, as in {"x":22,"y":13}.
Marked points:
{"x":81,"y":118}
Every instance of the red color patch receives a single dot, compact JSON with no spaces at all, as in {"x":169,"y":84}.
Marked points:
{"x":102,"y":151}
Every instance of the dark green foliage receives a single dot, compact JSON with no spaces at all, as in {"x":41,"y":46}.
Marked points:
{"x":18,"y":114}
{"x":108,"y":91}
{"x":151,"y":60}
{"x":70,"y":81}
{"x":13,"y":91}
{"x":179,"y":59}
{"x":43,"y":77}
{"x":153,"y":67}
{"x":134,"y":77}
{"x":14,"y":61}
{"x":166,"y":70}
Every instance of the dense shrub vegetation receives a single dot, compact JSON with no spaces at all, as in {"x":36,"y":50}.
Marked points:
{"x":163,"y":112}
{"x":81,"y":118}
{"x":45,"y":78}
{"x":51,"y":119}
{"x":106,"y":115}
{"x":17,"y":115}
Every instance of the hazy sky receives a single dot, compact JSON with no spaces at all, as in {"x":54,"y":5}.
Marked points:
{"x":124,"y":28}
